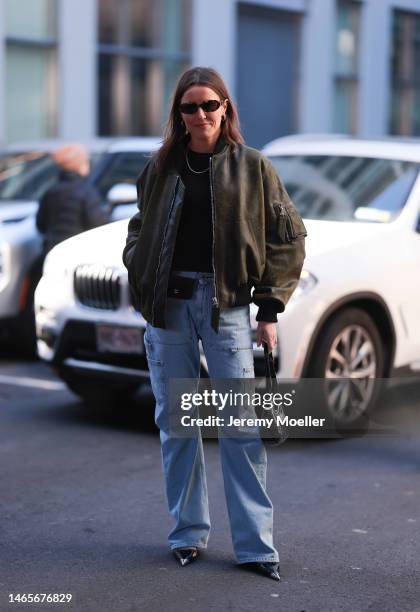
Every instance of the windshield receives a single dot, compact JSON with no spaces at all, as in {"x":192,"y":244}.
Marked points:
{"x":341,"y":188}
{"x":123,"y":167}
{"x":27,"y":175}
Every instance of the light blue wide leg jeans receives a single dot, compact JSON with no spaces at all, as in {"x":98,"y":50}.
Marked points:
{"x":174,"y":353}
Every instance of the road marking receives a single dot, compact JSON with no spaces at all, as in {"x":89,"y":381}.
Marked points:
{"x":39,"y":383}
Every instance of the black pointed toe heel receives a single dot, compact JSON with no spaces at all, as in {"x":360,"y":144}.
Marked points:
{"x":270,"y":569}
{"x":185,"y":555}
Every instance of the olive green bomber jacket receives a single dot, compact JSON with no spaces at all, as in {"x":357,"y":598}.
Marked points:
{"x":258,"y":234}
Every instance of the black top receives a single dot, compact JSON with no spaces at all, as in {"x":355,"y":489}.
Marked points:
{"x":194,"y":242}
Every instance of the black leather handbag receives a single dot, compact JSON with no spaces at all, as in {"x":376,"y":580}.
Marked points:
{"x":181,"y":287}
{"x":277,"y":433}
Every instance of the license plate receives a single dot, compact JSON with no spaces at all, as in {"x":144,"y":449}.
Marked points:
{"x":117,"y":339}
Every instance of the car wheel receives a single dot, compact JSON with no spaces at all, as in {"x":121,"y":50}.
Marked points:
{"x":349,"y":355}
{"x":26,"y":327}
{"x":27,"y":333}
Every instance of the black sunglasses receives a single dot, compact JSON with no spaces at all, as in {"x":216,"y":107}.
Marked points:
{"x":209,"y":106}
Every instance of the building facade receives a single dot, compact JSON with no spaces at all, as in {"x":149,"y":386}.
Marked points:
{"x":76,"y":69}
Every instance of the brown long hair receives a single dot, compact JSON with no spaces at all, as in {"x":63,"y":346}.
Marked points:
{"x":175,"y":130}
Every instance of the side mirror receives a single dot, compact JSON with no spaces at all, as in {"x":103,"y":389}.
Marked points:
{"x":122,"y":193}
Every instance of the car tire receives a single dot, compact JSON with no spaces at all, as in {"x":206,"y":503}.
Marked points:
{"x":26,"y":326}
{"x":100,"y":393}
{"x":348,"y":347}
{"x":23,"y":338}
{"x":134,"y":401}
{"x":27,"y":332}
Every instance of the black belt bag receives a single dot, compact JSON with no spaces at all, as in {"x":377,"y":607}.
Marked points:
{"x":181,"y":287}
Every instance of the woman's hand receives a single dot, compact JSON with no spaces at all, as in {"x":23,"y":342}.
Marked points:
{"x":267,"y":332}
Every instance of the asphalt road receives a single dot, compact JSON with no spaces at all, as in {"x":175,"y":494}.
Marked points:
{"x":84,"y":512}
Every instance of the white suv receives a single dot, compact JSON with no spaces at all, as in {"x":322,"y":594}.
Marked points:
{"x":353,"y":315}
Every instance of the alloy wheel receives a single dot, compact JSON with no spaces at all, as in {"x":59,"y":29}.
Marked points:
{"x":350,"y":373}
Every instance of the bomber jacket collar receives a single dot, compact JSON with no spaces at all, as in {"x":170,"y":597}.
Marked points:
{"x":178,"y":156}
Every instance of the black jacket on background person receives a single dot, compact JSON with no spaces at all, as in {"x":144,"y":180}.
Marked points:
{"x":69,"y":207}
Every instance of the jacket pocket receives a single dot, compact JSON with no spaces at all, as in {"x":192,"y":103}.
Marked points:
{"x":132,"y":274}
{"x":289,"y":222}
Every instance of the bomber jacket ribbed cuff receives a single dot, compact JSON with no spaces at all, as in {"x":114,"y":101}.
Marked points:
{"x":267,"y":313}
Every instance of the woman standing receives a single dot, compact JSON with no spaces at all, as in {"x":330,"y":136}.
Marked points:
{"x":214,"y":222}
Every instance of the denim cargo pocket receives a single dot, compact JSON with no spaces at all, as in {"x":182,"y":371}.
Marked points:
{"x":151,"y":355}
{"x":159,"y":386}
{"x":289,"y":222}
{"x":235,"y":333}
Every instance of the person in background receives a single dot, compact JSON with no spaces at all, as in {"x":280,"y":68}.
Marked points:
{"x":72,"y":205}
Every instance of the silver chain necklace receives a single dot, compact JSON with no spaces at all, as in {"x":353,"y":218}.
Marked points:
{"x":192,"y":169}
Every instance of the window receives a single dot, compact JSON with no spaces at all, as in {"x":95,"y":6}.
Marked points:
{"x":143,"y":47}
{"x":339,"y":188}
{"x":346,"y":66}
{"x":37,"y":21}
{"x":405,"y":68}
{"x":31,"y":69}
{"x":26,"y":175}
{"x":149,"y":24}
{"x":122,"y":168}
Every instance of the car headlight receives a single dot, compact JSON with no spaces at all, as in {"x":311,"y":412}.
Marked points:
{"x":306,"y":283}
{"x":4,"y":264}
{"x":1,"y":264}
{"x":54,"y":267}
